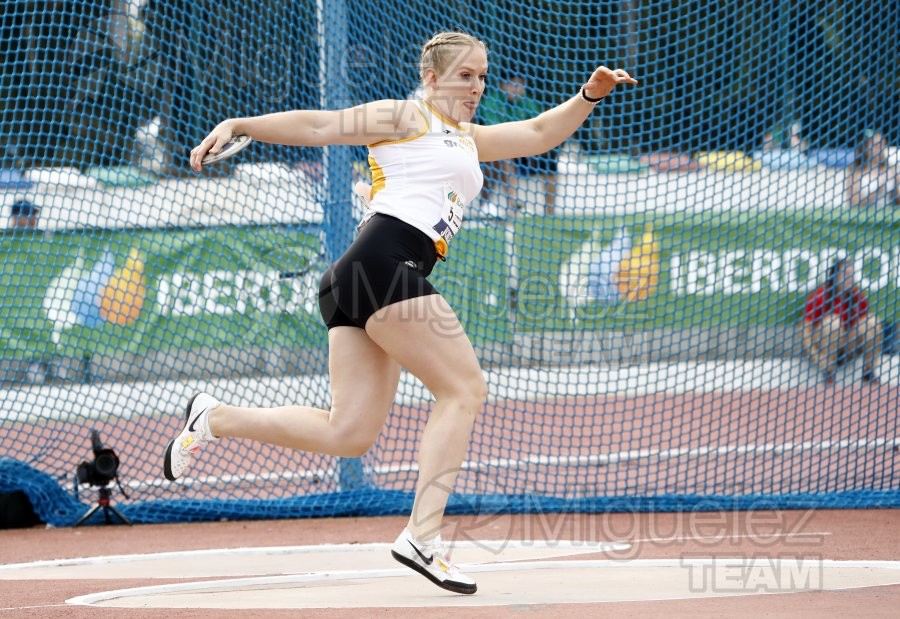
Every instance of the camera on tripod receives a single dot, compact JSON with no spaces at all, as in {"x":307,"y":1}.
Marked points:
{"x":103,"y":468}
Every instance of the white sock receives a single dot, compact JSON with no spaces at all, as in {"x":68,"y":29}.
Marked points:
{"x":206,"y":429}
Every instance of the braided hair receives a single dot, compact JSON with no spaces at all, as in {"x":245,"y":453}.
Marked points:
{"x":440,"y":50}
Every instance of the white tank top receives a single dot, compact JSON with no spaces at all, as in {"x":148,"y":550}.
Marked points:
{"x":428,"y":179}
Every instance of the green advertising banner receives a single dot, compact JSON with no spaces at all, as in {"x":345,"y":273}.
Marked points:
{"x":648,"y":271}
{"x":127,"y":291}
{"x":80,"y":293}
{"x":475,"y":280}
{"x":136,"y":291}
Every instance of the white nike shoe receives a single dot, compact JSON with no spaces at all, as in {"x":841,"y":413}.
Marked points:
{"x":194,"y":435}
{"x":432,"y":561}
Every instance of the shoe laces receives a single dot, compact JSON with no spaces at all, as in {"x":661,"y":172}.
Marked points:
{"x":441,"y":551}
{"x":193,"y":443}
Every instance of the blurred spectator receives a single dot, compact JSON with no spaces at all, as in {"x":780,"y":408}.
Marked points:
{"x":783,"y":149}
{"x":24,"y":215}
{"x":838,"y":327}
{"x":871,"y":180}
{"x":770,"y":143}
{"x":150,"y":152}
{"x":777,"y":139}
{"x":670,"y":162}
{"x":796,"y":141}
{"x":180,"y":95}
{"x":37,"y":373}
{"x":509,"y":103}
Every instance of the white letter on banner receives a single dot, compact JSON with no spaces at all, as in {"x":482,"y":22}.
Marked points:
{"x":243,"y":284}
{"x":734,"y":270}
{"x":828,"y":257}
{"x":177,"y":300}
{"x":884,"y":277}
{"x":217,"y":286}
{"x":256,"y":283}
{"x":896,"y":261}
{"x":675,"y":274}
{"x":187,"y":290}
{"x":163,"y":297}
{"x":711,"y":272}
{"x":237,"y":303}
{"x":812,"y":278}
{"x":702,"y":273}
{"x":701,"y":268}
{"x":859,"y":262}
{"x":793,"y":259}
{"x":766,"y":266}
{"x":278,"y":300}
{"x":691,"y":272}
{"x":295,"y":299}
{"x":240,"y":297}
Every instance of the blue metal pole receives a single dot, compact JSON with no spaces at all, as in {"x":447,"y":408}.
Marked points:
{"x":339,"y":226}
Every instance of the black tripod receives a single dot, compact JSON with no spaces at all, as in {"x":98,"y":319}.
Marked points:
{"x":103,"y":501}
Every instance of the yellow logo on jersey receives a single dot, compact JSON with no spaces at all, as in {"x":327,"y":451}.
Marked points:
{"x":467,"y":143}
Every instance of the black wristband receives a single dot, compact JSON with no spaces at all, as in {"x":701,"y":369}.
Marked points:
{"x":589,"y":99}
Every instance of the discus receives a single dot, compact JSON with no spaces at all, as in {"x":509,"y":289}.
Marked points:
{"x":232,"y":147}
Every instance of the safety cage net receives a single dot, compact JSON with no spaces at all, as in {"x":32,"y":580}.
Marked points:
{"x":637,"y":296}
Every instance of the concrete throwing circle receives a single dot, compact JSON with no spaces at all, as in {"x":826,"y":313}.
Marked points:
{"x":508,"y":573}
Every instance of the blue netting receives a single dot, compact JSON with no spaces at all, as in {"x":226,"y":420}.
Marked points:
{"x":640,"y":300}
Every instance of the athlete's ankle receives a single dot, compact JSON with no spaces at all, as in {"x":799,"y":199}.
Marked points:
{"x":214,"y":432}
{"x":423,"y":536}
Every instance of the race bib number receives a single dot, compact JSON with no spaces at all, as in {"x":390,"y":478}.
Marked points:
{"x":452,"y":209}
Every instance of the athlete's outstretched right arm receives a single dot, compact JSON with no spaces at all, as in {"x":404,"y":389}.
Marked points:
{"x":361,"y":125}
{"x":537,"y":135}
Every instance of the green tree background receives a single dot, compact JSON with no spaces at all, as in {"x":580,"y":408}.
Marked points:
{"x":714,"y":74}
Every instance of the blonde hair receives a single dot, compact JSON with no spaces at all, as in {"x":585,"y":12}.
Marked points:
{"x":440,"y":51}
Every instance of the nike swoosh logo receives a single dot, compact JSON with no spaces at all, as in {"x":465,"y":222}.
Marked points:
{"x":193,"y":421}
{"x":427,"y":560}
{"x":191,"y":426}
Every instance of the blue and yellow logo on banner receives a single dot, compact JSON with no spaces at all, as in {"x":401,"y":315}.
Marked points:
{"x":623,"y":269}
{"x":91,"y":295}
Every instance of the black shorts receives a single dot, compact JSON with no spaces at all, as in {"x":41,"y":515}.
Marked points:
{"x":387,"y":263}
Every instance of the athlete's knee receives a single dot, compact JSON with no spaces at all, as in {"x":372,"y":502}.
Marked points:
{"x":354,"y":446}
{"x":351,"y":440}
{"x":469,"y":392}
{"x":479,"y":389}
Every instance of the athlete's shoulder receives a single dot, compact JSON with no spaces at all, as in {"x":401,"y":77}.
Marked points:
{"x":404,"y":115}
{"x":469,"y":128}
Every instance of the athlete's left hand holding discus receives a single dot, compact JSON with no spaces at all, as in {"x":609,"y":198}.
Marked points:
{"x":212,"y":143}
{"x":425,"y":161}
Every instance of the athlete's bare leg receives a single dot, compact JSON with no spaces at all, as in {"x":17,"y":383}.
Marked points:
{"x":424,"y":336}
{"x":363,"y":384}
